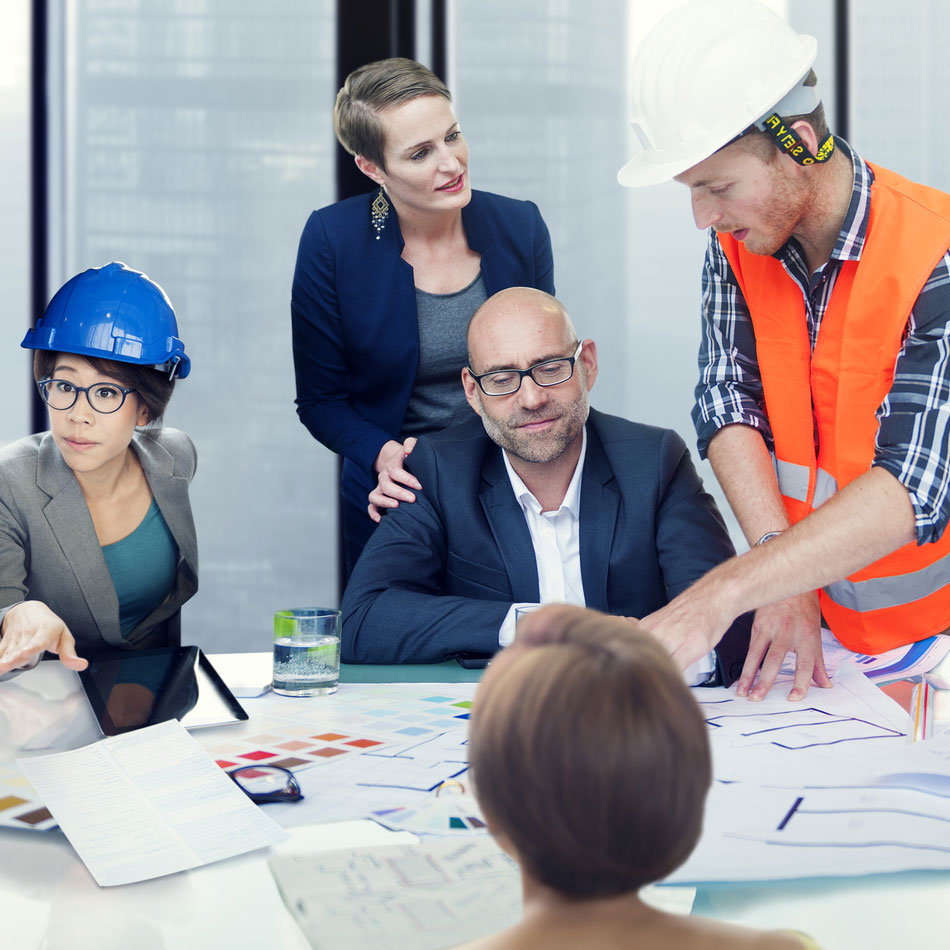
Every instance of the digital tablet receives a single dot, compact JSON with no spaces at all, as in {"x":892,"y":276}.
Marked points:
{"x":130,"y":689}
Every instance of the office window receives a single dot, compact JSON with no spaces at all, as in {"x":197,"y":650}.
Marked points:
{"x":15,"y":364}
{"x":196,"y":139}
{"x":542,"y":94}
{"x":541,"y":97}
{"x":899,"y":79}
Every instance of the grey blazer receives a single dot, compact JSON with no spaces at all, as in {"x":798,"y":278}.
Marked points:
{"x":48,"y":545}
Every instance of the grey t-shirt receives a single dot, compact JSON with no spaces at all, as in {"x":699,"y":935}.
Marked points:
{"x":437,"y":399}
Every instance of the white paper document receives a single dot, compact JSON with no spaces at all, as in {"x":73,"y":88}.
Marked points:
{"x":148,"y":803}
{"x":382,"y":750}
{"x":840,"y":735}
{"x":423,"y":896}
{"x":437,"y":894}
{"x":922,"y":765}
{"x":757,"y":833}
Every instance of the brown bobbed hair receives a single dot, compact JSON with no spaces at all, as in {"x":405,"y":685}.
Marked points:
{"x":372,"y":89}
{"x":591,"y":756}
{"x":154,"y":388}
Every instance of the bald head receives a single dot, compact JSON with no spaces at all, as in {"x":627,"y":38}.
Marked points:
{"x":517,"y":314}
{"x":538,"y":421}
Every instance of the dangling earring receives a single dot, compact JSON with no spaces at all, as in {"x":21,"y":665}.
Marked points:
{"x":379,"y":212}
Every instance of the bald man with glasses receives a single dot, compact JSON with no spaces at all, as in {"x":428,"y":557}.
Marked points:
{"x":541,"y":499}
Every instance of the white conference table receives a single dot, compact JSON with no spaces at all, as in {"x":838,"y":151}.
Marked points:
{"x":49,"y":901}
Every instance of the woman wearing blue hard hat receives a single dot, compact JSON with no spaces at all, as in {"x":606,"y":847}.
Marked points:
{"x":97,"y":541}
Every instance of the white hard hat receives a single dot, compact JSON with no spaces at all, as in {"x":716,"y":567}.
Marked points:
{"x":706,"y":72}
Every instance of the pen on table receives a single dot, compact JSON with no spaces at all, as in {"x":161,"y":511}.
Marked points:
{"x":921,"y":707}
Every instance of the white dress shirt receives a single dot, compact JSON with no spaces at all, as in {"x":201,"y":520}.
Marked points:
{"x":555,"y":536}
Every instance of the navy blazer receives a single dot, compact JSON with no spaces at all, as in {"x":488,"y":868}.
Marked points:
{"x":438,"y":576}
{"x":355,"y":328}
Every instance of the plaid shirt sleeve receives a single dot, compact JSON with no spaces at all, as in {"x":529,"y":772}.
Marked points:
{"x":913,"y":438}
{"x":729,"y":388}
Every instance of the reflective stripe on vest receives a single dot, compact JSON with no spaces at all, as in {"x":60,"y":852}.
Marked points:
{"x":877,"y":593}
{"x":835,"y":392}
{"x":792,"y":479}
{"x":793,"y":482}
{"x":825,"y":487}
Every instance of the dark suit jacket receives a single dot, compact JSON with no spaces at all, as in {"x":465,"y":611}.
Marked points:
{"x":438,"y":576}
{"x":355,"y":328}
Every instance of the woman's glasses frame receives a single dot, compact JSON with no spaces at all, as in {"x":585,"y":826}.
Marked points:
{"x":288,"y":792}
{"x":43,"y":385}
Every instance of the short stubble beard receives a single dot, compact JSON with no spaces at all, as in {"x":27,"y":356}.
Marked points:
{"x":542,"y":446}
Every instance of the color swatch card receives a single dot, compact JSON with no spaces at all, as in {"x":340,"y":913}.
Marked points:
{"x":404,"y":711}
{"x":396,"y":712}
{"x":296,"y":733}
{"x":288,"y":746}
{"x":453,"y":815}
{"x":366,"y":747}
{"x":20,"y":805}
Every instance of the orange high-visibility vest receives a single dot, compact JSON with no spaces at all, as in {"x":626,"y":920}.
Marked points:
{"x":835,"y":392}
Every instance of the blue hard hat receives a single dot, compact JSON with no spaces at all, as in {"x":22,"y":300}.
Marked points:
{"x":114,"y":313}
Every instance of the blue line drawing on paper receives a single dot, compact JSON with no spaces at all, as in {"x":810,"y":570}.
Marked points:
{"x":795,"y":729}
{"x":861,"y":817}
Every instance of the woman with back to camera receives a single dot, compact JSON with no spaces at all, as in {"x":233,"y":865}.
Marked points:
{"x":97,"y":541}
{"x":591,"y":765}
{"x":386,"y":282}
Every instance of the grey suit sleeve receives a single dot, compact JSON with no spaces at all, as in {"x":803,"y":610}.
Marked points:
{"x":394,"y":608}
{"x":13,"y":553}
{"x":13,"y":589}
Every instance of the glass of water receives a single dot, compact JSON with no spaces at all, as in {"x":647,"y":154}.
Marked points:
{"x":306,"y":651}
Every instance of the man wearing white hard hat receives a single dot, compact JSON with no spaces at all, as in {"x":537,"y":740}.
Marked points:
{"x":825,"y":357}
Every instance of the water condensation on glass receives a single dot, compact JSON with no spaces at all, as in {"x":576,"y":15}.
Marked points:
{"x":305,"y":662}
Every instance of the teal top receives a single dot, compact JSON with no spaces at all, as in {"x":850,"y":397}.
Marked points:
{"x":143,"y":566}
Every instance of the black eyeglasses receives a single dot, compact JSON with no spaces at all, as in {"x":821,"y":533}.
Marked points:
{"x":504,"y":382}
{"x":62,"y":394}
{"x":267,"y":783}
